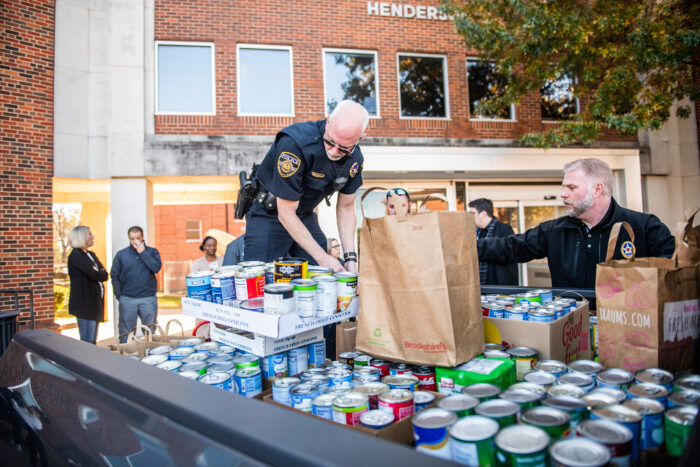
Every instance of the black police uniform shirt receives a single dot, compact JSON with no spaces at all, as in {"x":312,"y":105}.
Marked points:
{"x":297,"y":167}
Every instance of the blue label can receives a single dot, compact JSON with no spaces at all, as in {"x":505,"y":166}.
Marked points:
{"x":218,"y":380}
{"x":316,"y":354}
{"x":542,"y":316}
{"x":496,"y":311}
{"x":297,"y":361}
{"x":517,"y":313}
{"x":652,"y":412}
{"x":322,"y":406}
{"x":302,"y":396}
{"x":430,"y":431}
{"x":248,"y":381}
{"x":274,"y":366}
{"x":340,"y":377}
{"x":546,"y":296}
{"x":648,"y":391}
{"x":280,"y":390}
{"x":199,"y":285}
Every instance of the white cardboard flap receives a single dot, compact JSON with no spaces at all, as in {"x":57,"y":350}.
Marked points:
{"x":260,"y":323}
{"x":263,"y":346}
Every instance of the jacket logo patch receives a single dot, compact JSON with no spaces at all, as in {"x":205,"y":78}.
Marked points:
{"x":353,"y":170}
{"x":317,"y":175}
{"x":627,"y":249}
{"x":287,"y":164}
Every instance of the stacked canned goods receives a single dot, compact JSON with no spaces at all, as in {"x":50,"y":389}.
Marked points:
{"x":535,"y":305}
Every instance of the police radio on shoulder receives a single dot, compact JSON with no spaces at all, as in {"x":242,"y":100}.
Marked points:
{"x":350,"y":256}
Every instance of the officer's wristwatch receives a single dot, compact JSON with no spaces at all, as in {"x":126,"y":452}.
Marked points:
{"x":350,"y":256}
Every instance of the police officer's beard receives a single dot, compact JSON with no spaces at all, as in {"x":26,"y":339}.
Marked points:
{"x":576,"y":209}
{"x":334,"y":157}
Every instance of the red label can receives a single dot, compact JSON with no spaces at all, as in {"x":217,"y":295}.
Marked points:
{"x":383,"y":366}
{"x":397,"y":401}
{"x":249,"y":283}
{"x":399,"y":368}
{"x":426,"y":378}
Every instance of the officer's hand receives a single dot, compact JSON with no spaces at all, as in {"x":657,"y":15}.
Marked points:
{"x":332,"y":263}
{"x":351,"y":266}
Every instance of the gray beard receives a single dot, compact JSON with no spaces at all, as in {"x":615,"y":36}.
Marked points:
{"x":576,"y":209}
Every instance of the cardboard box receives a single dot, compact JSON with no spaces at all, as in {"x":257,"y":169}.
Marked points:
{"x":565,"y":339}
{"x":275,"y":326}
{"x":260,"y":345}
{"x":399,"y":432}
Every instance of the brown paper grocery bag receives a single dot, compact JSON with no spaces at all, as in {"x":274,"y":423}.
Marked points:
{"x":419,"y":288}
{"x":648,"y":308}
{"x":345,"y":333}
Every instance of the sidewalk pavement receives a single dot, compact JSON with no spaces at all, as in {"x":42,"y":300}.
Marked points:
{"x":105,"y":331}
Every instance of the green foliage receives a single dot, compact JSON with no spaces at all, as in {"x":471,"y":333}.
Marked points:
{"x":631,"y":60}
{"x":60,"y":300}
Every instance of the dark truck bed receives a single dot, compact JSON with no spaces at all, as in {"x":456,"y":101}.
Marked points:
{"x":87,"y":406}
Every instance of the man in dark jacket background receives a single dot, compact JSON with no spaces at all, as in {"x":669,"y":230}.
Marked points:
{"x":487,"y":226}
{"x":575,"y":244}
{"x":134,"y":282}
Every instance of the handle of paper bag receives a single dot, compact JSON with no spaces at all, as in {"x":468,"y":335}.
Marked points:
{"x":364,"y":195}
{"x":612,"y":242}
{"x":400,"y":215}
{"x":167,"y":327}
{"x":686,"y":233}
{"x":436,"y":196}
{"x":572,"y":292}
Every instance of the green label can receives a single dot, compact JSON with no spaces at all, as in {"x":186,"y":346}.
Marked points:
{"x":521,"y":446}
{"x":677,"y":425}
{"x":502,"y":411}
{"x":554,"y":421}
{"x":471,"y":440}
{"x":525,"y":359}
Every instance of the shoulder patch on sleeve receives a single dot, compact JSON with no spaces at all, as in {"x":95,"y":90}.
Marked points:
{"x":353,"y":170}
{"x":287,"y":164}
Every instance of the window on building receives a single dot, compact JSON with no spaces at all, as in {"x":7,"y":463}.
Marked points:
{"x":193,"y":230}
{"x":185,"y":78}
{"x":484,"y":83}
{"x":265,"y":80}
{"x":557,"y":99}
{"x":423,"y":86}
{"x":351,"y":75}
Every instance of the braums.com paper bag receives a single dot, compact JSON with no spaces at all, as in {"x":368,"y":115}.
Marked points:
{"x":648,"y":308}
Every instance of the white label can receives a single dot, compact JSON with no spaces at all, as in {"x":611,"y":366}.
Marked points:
{"x":326,"y":295}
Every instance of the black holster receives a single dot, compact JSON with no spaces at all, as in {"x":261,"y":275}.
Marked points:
{"x":246,"y":193}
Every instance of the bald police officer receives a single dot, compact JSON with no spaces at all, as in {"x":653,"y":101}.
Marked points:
{"x":307,"y":163}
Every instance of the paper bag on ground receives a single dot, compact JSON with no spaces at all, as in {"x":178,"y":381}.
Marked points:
{"x":345,"y":337}
{"x":419,"y":288}
{"x":648,"y":308}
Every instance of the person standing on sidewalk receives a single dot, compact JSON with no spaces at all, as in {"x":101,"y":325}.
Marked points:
{"x":134,"y":282}
{"x":86,"y":300}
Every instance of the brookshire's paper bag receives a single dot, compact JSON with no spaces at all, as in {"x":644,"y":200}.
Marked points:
{"x":419,"y":288}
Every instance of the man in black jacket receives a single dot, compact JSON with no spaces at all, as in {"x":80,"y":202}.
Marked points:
{"x":575,"y":244}
{"x":488,"y":226}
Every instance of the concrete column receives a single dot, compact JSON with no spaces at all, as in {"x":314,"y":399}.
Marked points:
{"x":131,"y":204}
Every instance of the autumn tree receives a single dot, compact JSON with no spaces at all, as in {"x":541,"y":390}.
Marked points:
{"x":628,"y":61}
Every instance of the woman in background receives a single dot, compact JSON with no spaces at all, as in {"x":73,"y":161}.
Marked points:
{"x":86,"y":300}
{"x":210,"y":261}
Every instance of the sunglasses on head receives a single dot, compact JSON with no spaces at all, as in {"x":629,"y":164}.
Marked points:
{"x":343,"y":150}
{"x":398,"y":191}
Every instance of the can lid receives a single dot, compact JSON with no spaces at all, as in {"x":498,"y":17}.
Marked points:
{"x":303,"y":284}
{"x":377,"y":418}
{"x":550,"y":366}
{"x":615,"y":376}
{"x":324,"y":278}
{"x":345,"y":276}
{"x":434,"y":418}
{"x":654,"y":375}
{"x":545,"y":416}
{"x":324,"y":400}
{"x":682,"y":415}
{"x":577,"y":379}
{"x":567,"y":403}
{"x":604,"y":431}
{"x":585,"y":366}
{"x":480,"y":390}
{"x":286,"y":382}
{"x":189,"y":374}
{"x":422,"y":397}
{"x":540,"y":378}
{"x":522,"y":352}
{"x":520,"y":395}
{"x":474,"y":428}
{"x":350,"y":399}
{"x":686,"y":397}
{"x":528,"y":386}
{"x":278,"y":287}
{"x":649,"y":390}
{"x":400,"y":379}
{"x":565,"y":390}
{"x":214,"y":377}
{"x":396,"y":395}
{"x":689,"y":382}
{"x":371,"y":388}
{"x":617,"y":413}
{"x":306,"y":387}
{"x":644,"y":406}
{"x":200,"y":274}
{"x":247,"y":372}
{"x":522,"y":439}
{"x":458,"y":402}
{"x":579,"y":452}
{"x":497,"y":408}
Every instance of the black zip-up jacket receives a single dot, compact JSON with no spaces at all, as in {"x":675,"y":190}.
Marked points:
{"x":573,"y":251}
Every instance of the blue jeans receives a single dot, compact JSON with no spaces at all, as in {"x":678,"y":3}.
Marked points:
{"x":88,"y":330}
{"x":131,"y":308}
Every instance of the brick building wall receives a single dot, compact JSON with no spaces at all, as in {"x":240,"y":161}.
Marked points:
{"x":171,"y":231}
{"x":308,"y":27}
{"x":26,"y":153}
